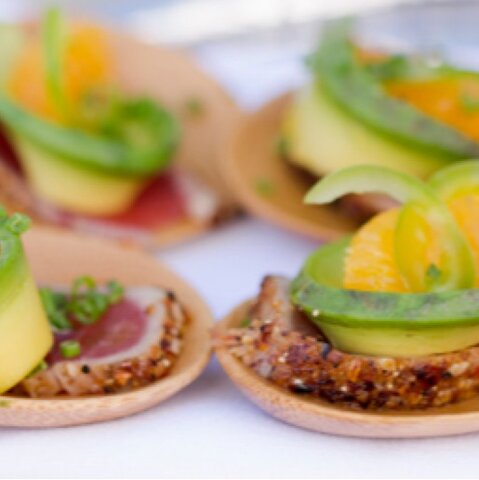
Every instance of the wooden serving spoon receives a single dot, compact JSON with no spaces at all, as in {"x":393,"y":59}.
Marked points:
{"x":269,"y":187}
{"x":321,"y":416}
{"x":57,"y":257}
{"x":206,"y":113}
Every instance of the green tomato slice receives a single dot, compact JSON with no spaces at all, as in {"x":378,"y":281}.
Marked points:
{"x":454,"y":181}
{"x":367,"y":179}
{"x":453,"y":269}
{"x":456,"y":267}
{"x":53,"y":46}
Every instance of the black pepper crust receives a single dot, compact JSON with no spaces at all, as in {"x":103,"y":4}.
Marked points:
{"x":80,"y":378}
{"x":278,"y":348}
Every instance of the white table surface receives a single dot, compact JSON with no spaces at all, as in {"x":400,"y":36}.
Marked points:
{"x":209,"y":429}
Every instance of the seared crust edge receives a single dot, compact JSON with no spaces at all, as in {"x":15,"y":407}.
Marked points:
{"x":305,"y":363}
{"x":76,"y":378}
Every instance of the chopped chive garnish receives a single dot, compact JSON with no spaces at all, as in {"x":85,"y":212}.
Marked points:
{"x":54,"y":304}
{"x":116,"y":291}
{"x":83,"y":283}
{"x":246,"y":322}
{"x":469,"y":103}
{"x":391,"y":68}
{"x":433,"y":273}
{"x":85,"y":303}
{"x":194,"y":106}
{"x":70,"y":349}
{"x":281,"y":146}
{"x":264,"y":187}
{"x":18,"y":223}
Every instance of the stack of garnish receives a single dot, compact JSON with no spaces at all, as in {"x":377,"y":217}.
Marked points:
{"x":84,"y":146}
{"x":88,"y":339}
{"x":396,"y":305}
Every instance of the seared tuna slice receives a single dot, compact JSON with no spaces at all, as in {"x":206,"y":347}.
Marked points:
{"x":134,"y":343}
{"x":278,"y":347}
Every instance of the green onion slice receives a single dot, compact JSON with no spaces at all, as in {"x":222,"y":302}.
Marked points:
{"x":70,"y":349}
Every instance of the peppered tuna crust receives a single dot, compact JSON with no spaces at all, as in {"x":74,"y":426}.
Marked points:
{"x":155,"y":359}
{"x":282,"y":346}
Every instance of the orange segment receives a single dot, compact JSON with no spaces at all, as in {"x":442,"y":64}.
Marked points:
{"x":27,"y":82}
{"x":466,"y":212}
{"x":370,"y":263}
{"x":87,"y":67}
{"x":88,"y":61}
{"x":453,"y":101}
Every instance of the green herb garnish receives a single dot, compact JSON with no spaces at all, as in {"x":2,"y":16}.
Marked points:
{"x":469,"y":103}
{"x":70,"y":349}
{"x":85,"y":303}
{"x":264,"y":187}
{"x":55,"y":307}
{"x":115,"y":291}
{"x":194,"y":106}
{"x":18,"y":223}
{"x":54,"y":44}
{"x":391,"y":68}
{"x":281,"y":146}
{"x":246,"y":322}
{"x":433,"y":274}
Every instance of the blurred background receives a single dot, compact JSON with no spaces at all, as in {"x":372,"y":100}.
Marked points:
{"x":255,"y":47}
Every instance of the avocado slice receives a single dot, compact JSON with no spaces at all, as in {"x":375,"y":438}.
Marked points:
{"x":93,"y":173}
{"x":137,"y":139}
{"x":322,"y":137}
{"x":25,"y":334}
{"x":383,"y":324}
{"x":74,"y":187}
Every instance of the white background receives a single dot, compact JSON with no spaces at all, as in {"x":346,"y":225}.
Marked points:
{"x":209,"y":429}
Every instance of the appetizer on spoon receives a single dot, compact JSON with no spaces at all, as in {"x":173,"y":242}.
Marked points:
{"x":95,"y":347}
{"x":107,"y":135}
{"x":411,"y":113}
{"x":384,"y":320}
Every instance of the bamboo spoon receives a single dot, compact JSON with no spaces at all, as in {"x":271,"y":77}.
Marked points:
{"x":57,"y":257}
{"x":320,"y":416}
{"x":206,"y":113}
{"x":269,"y":187}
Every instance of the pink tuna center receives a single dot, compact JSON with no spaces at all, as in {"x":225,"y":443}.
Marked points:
{"x":119,"y":329}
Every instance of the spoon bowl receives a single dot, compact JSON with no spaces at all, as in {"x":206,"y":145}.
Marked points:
{"x":321,"y":416}
{"x":57,"y":257}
